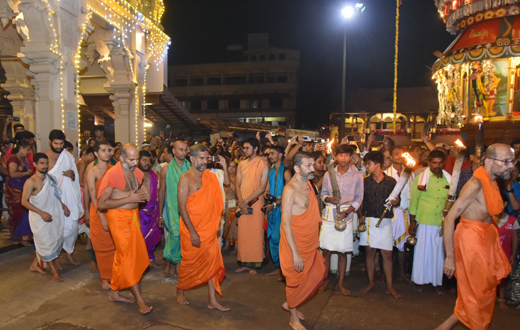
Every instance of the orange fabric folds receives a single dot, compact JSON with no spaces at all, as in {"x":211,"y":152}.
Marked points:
{"x":200,"y":265}
{"x":103,"y":245}
{"x":494,"y":202}
{"x":305,"y":229}
{"x":480,"y":264}
{"x":251,"y":226}
{"x":115,"y":178}
{"x":131,"y":257}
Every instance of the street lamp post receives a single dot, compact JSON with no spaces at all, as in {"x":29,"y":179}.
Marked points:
{"x":347,"y":12}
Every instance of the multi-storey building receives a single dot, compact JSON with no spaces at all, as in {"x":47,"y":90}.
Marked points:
{"x":259,"y":86}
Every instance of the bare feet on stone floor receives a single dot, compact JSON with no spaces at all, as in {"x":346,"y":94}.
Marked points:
{"x":440,"y":291}
{"x":368,"y":288}
{"x":93,"y":267}
{"x":181,"y":299}
{"x":105,"y":285}
{"x":35,"y":267}
{"x":72,"y":260}
{"x":56,"y":277}
{"x":216,"y":305}
{"x":394,"y":293}
{"x":296,"y":324}
{"x":144,"y":308}
{"x":286,"y":308}
{"x":502,"y":304}
{"x":344,"y":291}
{"x":114,"y":296}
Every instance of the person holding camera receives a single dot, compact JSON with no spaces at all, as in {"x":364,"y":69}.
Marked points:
{"x":251,"y":183}
{"x":277,"y":177}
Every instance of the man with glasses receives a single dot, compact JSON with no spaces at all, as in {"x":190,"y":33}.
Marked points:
{"x":252,"y":175}
{"x":474,"y":249}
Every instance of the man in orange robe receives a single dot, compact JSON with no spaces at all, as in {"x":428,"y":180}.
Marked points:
{"x":301,"y":262}
{"x":473,"y":251}
{"x":120,"y":194}
{"x":200,"y":206}
{"x":252,"y":176}
{"x":102,"y":242}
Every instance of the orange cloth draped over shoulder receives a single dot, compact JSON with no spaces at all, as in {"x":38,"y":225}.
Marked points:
{"x":480,"y":261}
{"x":102,"y":241}
{"x":200,"y":265}
{"x":251,"y":226}
{"x":131,"y":256}
{"x":305,"y":228}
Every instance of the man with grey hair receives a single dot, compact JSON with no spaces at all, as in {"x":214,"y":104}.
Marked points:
{"x":474,"y":250}
{"x":201,"y":205}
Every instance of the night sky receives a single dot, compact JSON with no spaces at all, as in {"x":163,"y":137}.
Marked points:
{"x":202,"y":29}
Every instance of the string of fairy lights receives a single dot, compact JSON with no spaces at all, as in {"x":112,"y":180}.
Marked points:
{"x":125,"y":19}
{"x":396,"y":62}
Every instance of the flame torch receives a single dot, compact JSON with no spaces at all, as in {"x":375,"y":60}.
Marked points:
{"x":408,"y":167}
{"x":454,"y":180}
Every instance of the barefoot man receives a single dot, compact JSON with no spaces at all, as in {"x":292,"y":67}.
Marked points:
{"x":301,"y":262}
{"x":149,"y":211}
{"x":378,"y":186}
{"x":62,"y":167}
{"x":120,"y":194}
{"x":201,"y":206}
{"x":252,"y":176}
{"x":473,"y":251}
{"x":102,"y":241}
{"x":175,"y":169}
{"x":47,"y":213}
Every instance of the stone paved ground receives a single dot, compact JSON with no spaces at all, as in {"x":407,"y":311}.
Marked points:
{"x":33,"y":301}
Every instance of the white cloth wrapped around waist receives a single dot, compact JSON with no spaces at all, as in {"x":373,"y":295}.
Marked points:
{"x":330,"y":210}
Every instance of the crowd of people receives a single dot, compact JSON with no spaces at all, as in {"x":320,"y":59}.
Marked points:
{"x":271,"y":198}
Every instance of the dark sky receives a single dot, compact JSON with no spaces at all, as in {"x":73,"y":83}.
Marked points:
{"x":201,"y":29}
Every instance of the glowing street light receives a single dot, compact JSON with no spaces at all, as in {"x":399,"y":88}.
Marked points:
{"x":348,"y":12}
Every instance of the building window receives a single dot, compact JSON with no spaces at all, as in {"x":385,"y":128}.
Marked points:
{"x":262,"y":58}
{"x":256,"y":79}
{"x":181,"y":82}
{"x":198,"y":81}
{"x":252,"y":58}
{"x":275,"y":103}
{"x":282,"y":79}
{"x":272,"y":57}
{"x":233,"y":104}
{"x":214,"y":81}
{"x":271,"y":78}
{"x":235,"y":80}
{"x":254,"y":104}
{"x":281,"y":56}
{"x":212,"y":105}
{"x":195,"y":105}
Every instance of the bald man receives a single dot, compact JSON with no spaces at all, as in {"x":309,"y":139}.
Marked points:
{"x":170,"y":216}
{"x":479,"y":267}
{"x":120,"y":194}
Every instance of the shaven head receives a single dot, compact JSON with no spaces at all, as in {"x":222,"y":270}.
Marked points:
{"x":500,"y":161}
{"x":129,"y":156}
{"x":180,"y":150}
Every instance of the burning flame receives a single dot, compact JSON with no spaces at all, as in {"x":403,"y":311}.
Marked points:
{"x":410,"y":162}
{"x":479,"y":119}
{"x":329,"y":146}
{"x":459,"y":144}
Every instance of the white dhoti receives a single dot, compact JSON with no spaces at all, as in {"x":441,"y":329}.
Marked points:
{"x":48,"y":236}
{"x":400,"y":224}
{"x":428,"y":257}
{"x":378,"y":238}
{"x":330,"y":238}
{"x":71,"y":196}
{"x":84,"y":229}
